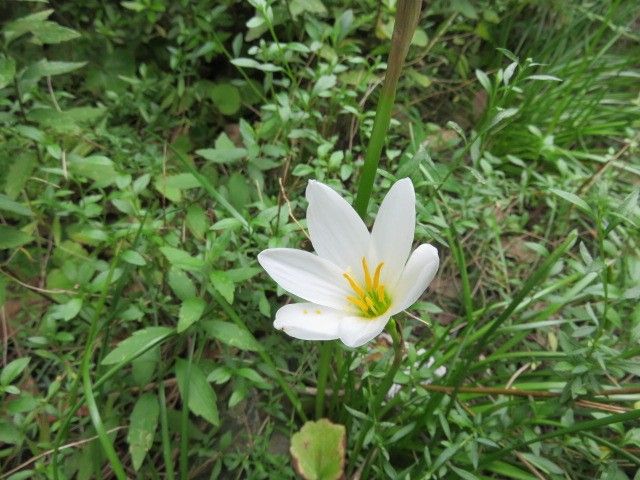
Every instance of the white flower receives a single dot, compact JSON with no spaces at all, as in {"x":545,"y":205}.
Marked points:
{"x":356,"y":280}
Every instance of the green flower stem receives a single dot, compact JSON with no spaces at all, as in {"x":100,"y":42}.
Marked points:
{"x":407,"y":15}
{"x":326,"y":349}
{"x":398,"y":346}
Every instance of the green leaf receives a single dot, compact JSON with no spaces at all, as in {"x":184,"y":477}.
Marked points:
{"x":484,"y":80}
{"x":202,"y":398}
{"x":134,"y":258}
{"x":572,"y":198}
{"x":142,"y":428}
{"x":51,"y":33}
{"x":181,"y":259}
{"x":7,"y":70}
{"x":18,"y":173}
{"x":226,"y":98}
{"x":318,"y":450}
{"x":171,"y":186}
{"x":190,"y":312}
{"x":136,"y":344}
{"x":181,"y":284}
{"x":223,"y":284}
{"x":67,"y":311}
{"x":251,"y":63}
{"x":13,"y":370}
{"x":28,"y":23}
{"x":12,"y":237}
{"x":45,"y":68}
{"x":225,"y":151}
{"x":96,"y":167}
{"x":324,"y":83}
{"x":197,"y":221}
{"x":231,"y":334}
{"x":12,"y":206}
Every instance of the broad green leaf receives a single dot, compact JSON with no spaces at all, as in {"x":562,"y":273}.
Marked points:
{"x":11,"y":237}
{"x":202,"y":398}
{"x":136,"y":344}
{"x":572,"y":198}
{"x":190,"y":312}
{"x":318,"y":450}
{"x":226,"y":98}
{"x":67,"y":311}
{"x":96,"y":167}
{"x":134,"y":258}
{"x":231,"y":334}
{"x":18,"y":173}
{"x":226,"y":155}
{"x":197,"y":221}
{"x":324,"y":83}
{"x":12,"y":206}
{"x":171,"y":186}
{"x":181,"y":259}
{"x":45,"y":68}
{"x":312,"y":6}
{"x":20,"y":26}
{"x":7,"y":70}
{"x":142,"y":428}
{"x":181,"y":284}
{"x":51,"y":33}
{"x":13,"y":370}
{"x":223,"y":284}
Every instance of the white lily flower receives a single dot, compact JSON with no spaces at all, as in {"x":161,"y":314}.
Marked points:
{"x":356,"y":280}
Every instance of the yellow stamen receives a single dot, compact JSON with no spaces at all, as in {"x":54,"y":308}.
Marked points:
{"x":318,"y":312}
{"x":354,"y":285}
{"x":367,"y":275}
{"x":380,"y":292}
{"x":358,"y":302}
{"x":376,"y":276}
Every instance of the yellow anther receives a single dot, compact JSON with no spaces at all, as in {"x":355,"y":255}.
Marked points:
{"x":376,"y":276}
{"x":305,"y":311}
{"x":354,"y":285}
{"x":318,"y":312}
{"x":358,"y":302}
{"x":367,"y":275}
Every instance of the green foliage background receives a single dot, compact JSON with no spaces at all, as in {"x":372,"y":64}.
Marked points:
{"x":149,"y":149}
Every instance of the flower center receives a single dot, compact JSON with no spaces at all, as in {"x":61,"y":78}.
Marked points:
{"x":370,"y":299}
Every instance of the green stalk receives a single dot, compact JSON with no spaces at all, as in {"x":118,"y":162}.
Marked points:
{"x":394,"y":330}
{"x":407,"y":16}
{"x":184,"y":419}
{"x":323,"y":372}
{"x":164,"y":429}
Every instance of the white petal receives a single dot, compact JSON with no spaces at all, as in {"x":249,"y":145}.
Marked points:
{"x":356,"y":331}
{"x":308,"y":321}
{"x":306,"y":275}
{"x":392,"y":234}
{"x":416,"y":277}
{"x":337,"y":233}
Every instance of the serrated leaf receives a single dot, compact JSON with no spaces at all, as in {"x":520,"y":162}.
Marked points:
{"x":231,"y":334}
{"x":202,"y":398}
{"x":181,"y":284}
{"x":324,"y":83}
{"x":13,"y":370}
{"x":51,"y":33}
{"x":142,"y":428}
{"x":190,"y":312}
{"x":318,"y":450}
{"x":223,"y":284}
{"x":136,"y":344}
